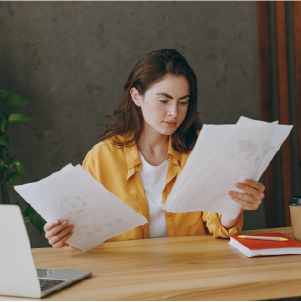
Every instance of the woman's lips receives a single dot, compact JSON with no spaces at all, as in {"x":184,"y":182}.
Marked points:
{"x":170,"y":124}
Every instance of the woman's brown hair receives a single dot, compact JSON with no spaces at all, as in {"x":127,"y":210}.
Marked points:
{"x":127,"y":117}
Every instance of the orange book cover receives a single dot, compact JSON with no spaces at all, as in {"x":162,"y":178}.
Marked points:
{"x":253,"y":247}
{"x":254,"y":244}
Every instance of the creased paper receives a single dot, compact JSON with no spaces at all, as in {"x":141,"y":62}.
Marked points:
{"x":222,"y":156}
{"x":73,"y":194}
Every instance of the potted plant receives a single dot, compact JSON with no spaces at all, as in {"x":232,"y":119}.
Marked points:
{"x":11,"y":170}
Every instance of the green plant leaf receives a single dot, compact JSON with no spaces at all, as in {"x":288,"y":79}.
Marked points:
{"x":18,"y":118}
{"x":3,"y":165}
{"x":4,"y":140}
{"x":19,"y":167}
{"x":29,"y":211}
{"x":13,"y":101}
{"x":13,"y":177}
{"x":2,"y":121}
{"x":8,"y":160}
{"x":37,"y":222}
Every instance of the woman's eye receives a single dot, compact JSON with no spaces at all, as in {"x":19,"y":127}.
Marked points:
{"x":183,"y":103}
{"x":162,"y":101}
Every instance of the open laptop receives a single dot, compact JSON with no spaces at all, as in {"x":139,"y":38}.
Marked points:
{"x":18,"y":274}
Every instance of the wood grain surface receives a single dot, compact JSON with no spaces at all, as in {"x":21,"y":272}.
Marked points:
{"x":174,"y":268}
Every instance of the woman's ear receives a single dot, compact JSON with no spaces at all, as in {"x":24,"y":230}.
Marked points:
{"x":135,"y":96}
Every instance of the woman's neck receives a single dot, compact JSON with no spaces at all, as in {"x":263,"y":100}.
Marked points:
{"x":153,"y":146}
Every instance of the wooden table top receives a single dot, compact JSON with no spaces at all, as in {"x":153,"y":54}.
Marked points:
{"x":174,"y":268}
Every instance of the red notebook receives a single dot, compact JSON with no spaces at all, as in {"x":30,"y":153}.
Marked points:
{"x":252,"y":247}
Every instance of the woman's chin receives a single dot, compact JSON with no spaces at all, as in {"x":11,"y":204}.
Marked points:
{"x":167,"y":131}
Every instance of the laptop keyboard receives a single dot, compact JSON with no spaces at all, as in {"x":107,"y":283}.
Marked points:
{"x":49,"y":283}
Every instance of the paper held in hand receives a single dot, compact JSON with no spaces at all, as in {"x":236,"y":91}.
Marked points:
{"x":73,"y":194}
{"x":222,"y":156}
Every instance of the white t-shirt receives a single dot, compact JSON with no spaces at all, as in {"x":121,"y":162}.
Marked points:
{"x":153,"y":180}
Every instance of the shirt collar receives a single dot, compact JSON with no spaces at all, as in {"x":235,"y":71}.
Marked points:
{"x":133,"y":159}
{"x":173,"y":155}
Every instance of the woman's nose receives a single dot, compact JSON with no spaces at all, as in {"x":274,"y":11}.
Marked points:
{"x":173,"y":110}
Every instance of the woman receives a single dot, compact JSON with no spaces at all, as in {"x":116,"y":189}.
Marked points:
{"x":145,"y":148}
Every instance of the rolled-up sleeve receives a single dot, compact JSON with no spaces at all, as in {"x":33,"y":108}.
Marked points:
{"x":213,"y":224}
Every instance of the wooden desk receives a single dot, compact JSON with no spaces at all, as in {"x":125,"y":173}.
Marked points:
{"x":183,"y":268}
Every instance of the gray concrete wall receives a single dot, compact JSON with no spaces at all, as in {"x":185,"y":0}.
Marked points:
{"x":73,"y":58}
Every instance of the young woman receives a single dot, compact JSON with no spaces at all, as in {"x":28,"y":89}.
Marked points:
{"x":145,"y":148}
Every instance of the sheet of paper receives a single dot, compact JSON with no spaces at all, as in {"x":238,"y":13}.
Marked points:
{"x":73,"y":194}
{"x":280,"y":135}
{"x":212,"y":136}
{"x":218,"y":163}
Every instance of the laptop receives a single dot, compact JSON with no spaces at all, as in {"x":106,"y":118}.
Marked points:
{"x":18,"y":274}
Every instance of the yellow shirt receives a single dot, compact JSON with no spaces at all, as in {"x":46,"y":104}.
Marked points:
{"x":117,"y":169}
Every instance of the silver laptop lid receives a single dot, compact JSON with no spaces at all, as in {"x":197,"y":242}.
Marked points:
{"x":18,"y":274}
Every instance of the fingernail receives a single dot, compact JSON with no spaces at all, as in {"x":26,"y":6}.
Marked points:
{"x":230,"y":192}
{"x":237,"y":184}
{"x":56,"y":222}
{"x":64,"y":222}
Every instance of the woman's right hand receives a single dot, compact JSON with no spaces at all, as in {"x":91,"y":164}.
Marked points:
{"x":58,"y":232}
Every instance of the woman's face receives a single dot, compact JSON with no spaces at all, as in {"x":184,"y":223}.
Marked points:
{"x":164,"y":105}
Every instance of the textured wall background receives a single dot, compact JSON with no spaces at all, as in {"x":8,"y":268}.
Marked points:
{"x":73,"y":58}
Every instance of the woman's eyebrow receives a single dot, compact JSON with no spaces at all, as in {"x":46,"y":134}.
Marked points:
{"x":170,"y":97}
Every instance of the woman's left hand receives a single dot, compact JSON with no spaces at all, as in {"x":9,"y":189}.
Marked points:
{"x":252,"y":199}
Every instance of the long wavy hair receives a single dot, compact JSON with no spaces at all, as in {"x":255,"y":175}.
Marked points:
{"x":127,"y":119}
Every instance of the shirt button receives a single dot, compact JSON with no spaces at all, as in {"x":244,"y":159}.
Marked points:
{"x":168,"y":214}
